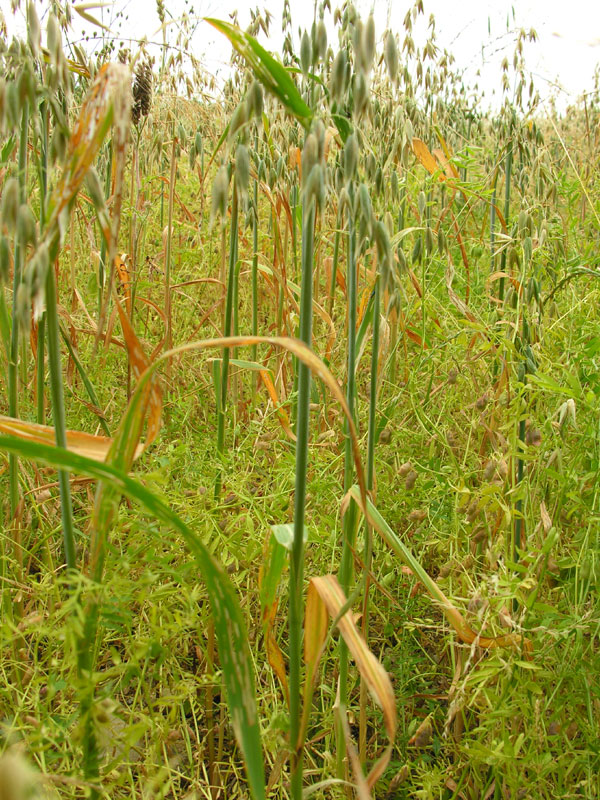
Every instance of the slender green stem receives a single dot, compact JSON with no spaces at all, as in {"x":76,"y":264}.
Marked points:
{"x":39,"y":376}
{"x":104,"y":243}
{"x":345,"y":571}
{"x":368,"y":551}
{"x":58,"y":415}
{"x":334,"y":266}
{"x":41,"y":332}
{"x":297,"y":556}
{"x":255,"y":268}
{"x":233,"y":249}
{"x":168,"y":251}
{"x":507,"y":179}
{"x":13,"y":378}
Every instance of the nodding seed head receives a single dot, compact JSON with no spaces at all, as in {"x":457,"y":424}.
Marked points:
{"x":533,"y":437}
{"x":366,"y":207}
{"x":338,"y":76}
{"x":441,"y":242}
{"x":361,"y":93}
{"x":368,"y":42}
{"x":238,"y":119}
{"x":321,"y":39}
{"x":452,"y":376}
{"x":10,"y":203}
{"x":242,"y":170}
{"x":305,"y":53}
{"x":428,"y":240}
{"x":26,"y":226}
{"x":350,"y":157}
{"x":482,"y":402}
{"x":22,"y":304}
{"x":394,"y":185}
{"x":344,"y":201}
{"x":142,"y":92}
{"x":255,"y":99}
{"x":220,"y":194}
{"x":385,"y":437}
{"x":391,"y":55}
{"x":314,"y":188}
{"x":310,"y":156}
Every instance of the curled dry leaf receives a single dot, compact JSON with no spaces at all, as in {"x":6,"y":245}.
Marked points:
{"x":328,"y":591}
{"x":84,"y":444}
{"x":423,"y":735}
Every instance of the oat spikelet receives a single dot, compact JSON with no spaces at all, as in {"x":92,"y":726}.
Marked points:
{"x":142,"y":92}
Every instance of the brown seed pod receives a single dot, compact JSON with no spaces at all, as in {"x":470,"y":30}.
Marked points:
{"x":452,"y":439}
{"x":452,"y":376}
{"x":423,"y":735}
{"x":399,"y":778}
{"x":473,"y":509}
{"x":385,"y":437}
{"x":479,"y":534}
{"x":475,"y":603}
{"x":489,"y":470}
{"x":533,"y":437}
{"x":410,"y":480}
{"x":405,"y":469}
{"x":446,"y":569}
{"x":417,"y":515}
{"x":502,"y":469}
{"x":482,"y":402}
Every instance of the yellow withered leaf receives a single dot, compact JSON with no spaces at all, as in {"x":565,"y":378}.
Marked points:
{"x":84,"y":444}
{"x":327,"y":589}
{"x":421,"y":151}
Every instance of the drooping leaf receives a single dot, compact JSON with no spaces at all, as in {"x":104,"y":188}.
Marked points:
{"x":83,"y":10}
{"x":421,"y":151}
{"x":267,"y":69}
{"x":84,"y":444}
{"x":331,"y":595}
{"x":230,"y":626}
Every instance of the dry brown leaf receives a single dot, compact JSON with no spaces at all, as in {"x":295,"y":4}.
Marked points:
{"x":421,"y":151}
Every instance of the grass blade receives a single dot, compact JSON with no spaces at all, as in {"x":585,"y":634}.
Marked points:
{"x":452,"y":614}
{"x":270,"y":72}
{"x":230,"y":626}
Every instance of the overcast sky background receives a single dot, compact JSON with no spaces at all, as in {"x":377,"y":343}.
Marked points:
{"x":562,"y":60}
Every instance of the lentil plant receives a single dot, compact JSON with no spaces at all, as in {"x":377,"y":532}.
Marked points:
{"x":335,"y":327}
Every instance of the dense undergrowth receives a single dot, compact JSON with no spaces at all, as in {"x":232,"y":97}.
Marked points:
{"x":359,"y":196}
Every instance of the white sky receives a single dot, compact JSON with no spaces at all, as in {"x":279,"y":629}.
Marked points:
{"x":565,"y":55}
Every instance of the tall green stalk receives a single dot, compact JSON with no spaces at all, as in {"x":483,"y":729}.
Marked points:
{"x":13,"y":378}
{"x":345,"y":571}
{"x":41,"y":331}
{"x":168,"y":251}
{"x":334,"y":266}
{"x":297,"y":556}
{"x":58,"y":415}
{"x":104,"y":244}
{"x":507,"y":179}
{"x":255,"y":264}
{"x":222,"y":388}
{"x":370,"y":486}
